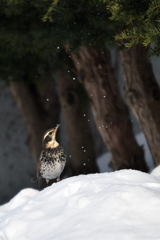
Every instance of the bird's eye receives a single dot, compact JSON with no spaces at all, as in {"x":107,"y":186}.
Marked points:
{"x":50,"y":133}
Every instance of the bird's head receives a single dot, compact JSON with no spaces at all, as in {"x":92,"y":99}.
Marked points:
{"x":49,"y":138}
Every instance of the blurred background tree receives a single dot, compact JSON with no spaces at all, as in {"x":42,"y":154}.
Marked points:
{"x":33,"y":51}
{"x":59,"y":50}
{"x":140,"y":28}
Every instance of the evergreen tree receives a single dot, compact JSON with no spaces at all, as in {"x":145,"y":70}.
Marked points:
{"x":140,"y":28}
{"x":29,"y":55}
{"x":141,"y":22}
{"x":88,"y":31}
{"x":47,"y":30}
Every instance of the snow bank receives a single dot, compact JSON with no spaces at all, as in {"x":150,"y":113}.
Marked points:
{"x":156,"y":172}
{"x":121,"y":205}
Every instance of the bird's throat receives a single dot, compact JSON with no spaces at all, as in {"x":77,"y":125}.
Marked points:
{"x":52,"y":144}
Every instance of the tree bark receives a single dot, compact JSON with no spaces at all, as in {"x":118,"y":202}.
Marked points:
{"x":40,"y":110}
{"x":79,"y":135}
{"x":110,"y":112}
{"x":143,"y":95}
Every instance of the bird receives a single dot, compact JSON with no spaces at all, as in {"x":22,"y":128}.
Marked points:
{"x":52,"y":159}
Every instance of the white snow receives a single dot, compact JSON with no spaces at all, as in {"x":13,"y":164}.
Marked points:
{"x":121,"y":205}
{"x":156,"y":172}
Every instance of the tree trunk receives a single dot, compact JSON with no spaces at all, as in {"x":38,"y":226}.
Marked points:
{"x":40,"y":110}
{"x":110,"y":112}
{"x":79,"y":136}
{"x":143,"y":95}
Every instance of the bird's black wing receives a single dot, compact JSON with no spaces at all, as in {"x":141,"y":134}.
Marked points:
{"x":38,"y":177}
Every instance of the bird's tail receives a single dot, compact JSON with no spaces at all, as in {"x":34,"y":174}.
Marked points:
{"x":34,"y":179}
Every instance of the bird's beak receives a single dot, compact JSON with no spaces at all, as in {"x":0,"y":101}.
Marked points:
{"x":56,"y":128}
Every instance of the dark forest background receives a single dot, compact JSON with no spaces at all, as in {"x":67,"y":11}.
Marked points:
{"x":62,"y":61}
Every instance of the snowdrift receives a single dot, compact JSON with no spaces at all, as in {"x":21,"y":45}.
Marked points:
{"x":121,"y":205}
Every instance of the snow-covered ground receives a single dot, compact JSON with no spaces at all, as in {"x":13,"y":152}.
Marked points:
{"x":121,"y":205}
